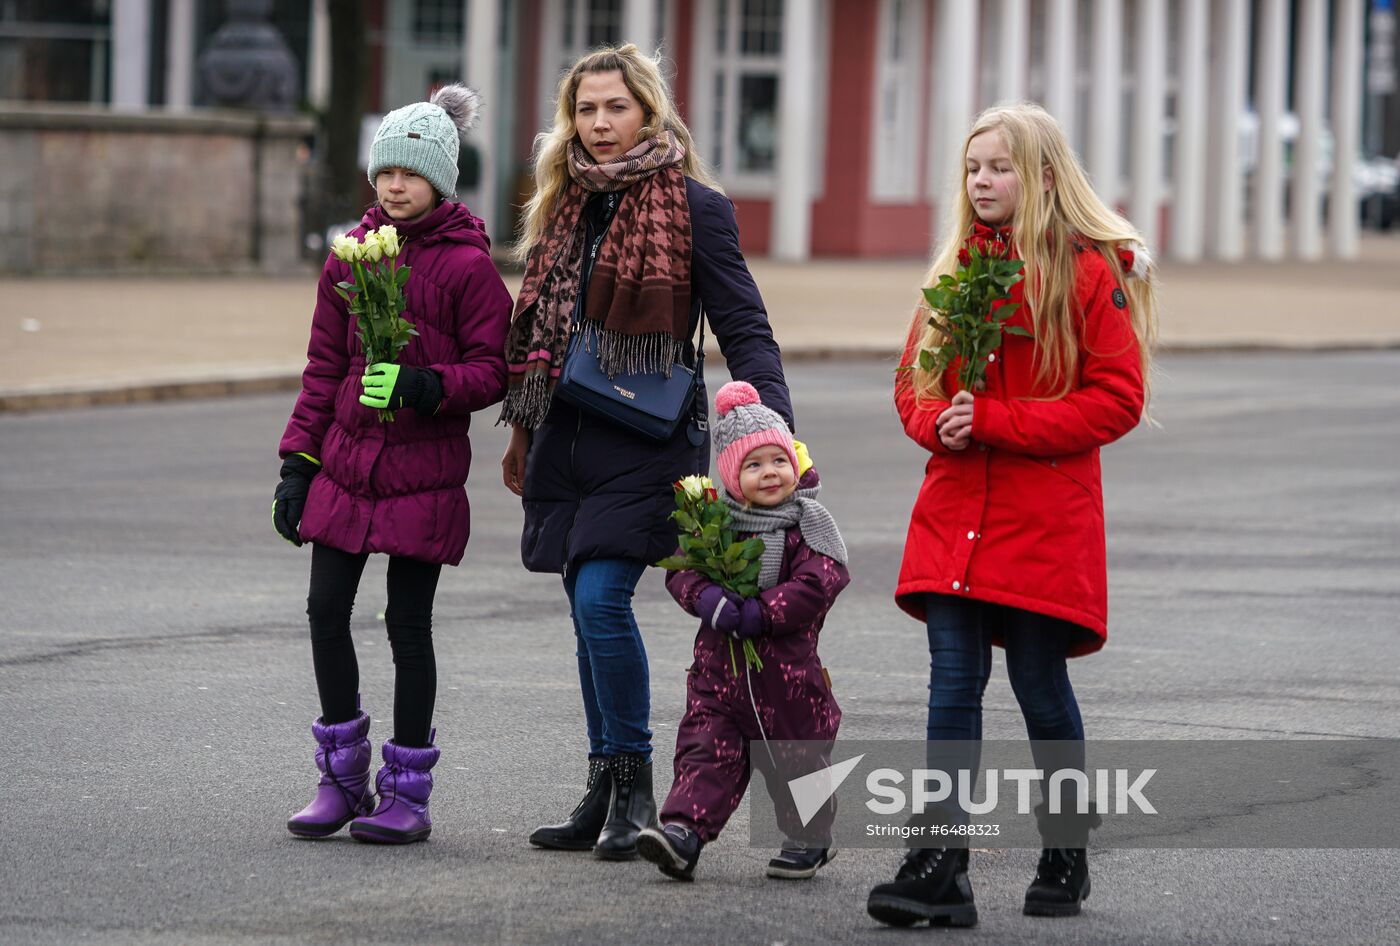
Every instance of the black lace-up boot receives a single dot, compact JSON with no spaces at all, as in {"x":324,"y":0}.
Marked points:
{"x":1062,"y":877}
{"x":932,"y":884}
{"x":631,"y":808}
{"x":579,"y":832}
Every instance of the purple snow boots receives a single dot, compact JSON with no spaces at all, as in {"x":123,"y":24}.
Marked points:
{"x":342,"y":754}
{"x":404,"y":783}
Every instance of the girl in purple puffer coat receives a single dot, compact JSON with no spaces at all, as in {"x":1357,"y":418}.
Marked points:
{"x":352,"y":485}
{"x":771,"y":492}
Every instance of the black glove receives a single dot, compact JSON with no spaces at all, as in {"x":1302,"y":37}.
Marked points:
{"x":394,"y":387}
{"x":290,"y":498}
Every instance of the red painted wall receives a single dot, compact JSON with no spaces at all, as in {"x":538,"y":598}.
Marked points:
{"x":838,"y":216}
{"x":528,"y":93}
{"x":679,"y":54}
{"x":845,"y":222}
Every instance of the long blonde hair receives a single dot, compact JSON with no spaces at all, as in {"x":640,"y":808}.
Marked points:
{"x":1043,"y":228}
{"x":644,"y":80}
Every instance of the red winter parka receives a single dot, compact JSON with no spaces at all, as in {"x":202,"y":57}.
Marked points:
{"x":1016,"y":518}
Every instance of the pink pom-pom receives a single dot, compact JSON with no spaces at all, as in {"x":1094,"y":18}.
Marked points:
{"x":735,"y":394}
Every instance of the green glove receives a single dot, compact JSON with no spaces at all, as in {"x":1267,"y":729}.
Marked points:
{"x":394,"y":387}
{"x":379,"y":382}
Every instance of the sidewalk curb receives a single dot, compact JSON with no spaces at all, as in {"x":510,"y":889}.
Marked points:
{"x":18,"y":402}
{"x":100,"y":395}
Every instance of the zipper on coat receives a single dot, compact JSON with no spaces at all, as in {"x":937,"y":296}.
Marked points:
{"x":573,"y":478}
{"x":578,"y":426}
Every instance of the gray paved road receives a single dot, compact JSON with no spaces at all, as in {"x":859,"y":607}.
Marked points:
{"x":156,"y":687}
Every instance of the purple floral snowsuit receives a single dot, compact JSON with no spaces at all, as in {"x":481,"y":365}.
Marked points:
{"x":792,"y":694}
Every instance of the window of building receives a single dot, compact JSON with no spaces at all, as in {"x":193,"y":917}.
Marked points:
{"x":898,"y":101}
{"x":570,"y":29}
{"x":55,"y":52}
{"x":736,"y":85}
{"x":437,"y":21}
{"x":747,"y":59}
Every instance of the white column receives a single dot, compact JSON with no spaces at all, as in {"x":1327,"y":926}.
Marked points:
{"x":318,"y":81}
{"x":1149,"y":110}
{"x":179,"y":55}
{"x":952,"y":93}
{"x":792,"y":204}
{"x":1013,"y":25}
{"x":1230,"y":63}
{"x":1342,"y":225}
{"x":482,"y":28}
{"x":131,"y":53}
{"x":1310,"y":78}
{"x":1270,"y":92}
{"x":547,"y":38}
{"x":1189,"y":151}
{"x":1105,"y":98}
{"x":1060,"y":31}
{"x":639,"y":24}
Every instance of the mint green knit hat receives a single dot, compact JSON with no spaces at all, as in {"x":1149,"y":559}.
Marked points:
{"x":424,"y":137}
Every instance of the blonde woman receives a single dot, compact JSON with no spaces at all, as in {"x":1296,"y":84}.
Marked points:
{"x":626,"y":239}
{"x":1006,"y":542}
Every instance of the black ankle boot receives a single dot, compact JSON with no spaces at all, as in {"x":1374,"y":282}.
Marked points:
{"x":579,"y":832}
{"x":932,"y":884}
{"x":631,"y":808}
{"x":1062,"y":877}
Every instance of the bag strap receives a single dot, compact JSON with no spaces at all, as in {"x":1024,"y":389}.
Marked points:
{"x":700,"y":349}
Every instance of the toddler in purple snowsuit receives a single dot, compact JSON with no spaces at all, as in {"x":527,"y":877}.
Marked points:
{"x":771,"y":490}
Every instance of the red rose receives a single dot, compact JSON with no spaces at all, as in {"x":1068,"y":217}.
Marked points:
{"x":964,"y":258}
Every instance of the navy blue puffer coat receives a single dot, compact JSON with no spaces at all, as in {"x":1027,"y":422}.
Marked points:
{"x":593,"y":490}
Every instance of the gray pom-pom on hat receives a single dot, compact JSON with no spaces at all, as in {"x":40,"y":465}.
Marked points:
{"x":426,"y":136}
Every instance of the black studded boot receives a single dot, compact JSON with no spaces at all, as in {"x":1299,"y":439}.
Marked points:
{"x":631,"y":808}
{"x":1061,"y":882}
{"x":579,"y":832}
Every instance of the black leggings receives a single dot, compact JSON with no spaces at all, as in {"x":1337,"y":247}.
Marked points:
{"x":335,"y":576}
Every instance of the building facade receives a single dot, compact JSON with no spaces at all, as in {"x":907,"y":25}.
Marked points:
{"x":1218,"y":126}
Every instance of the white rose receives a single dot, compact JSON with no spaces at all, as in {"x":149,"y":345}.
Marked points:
{"x":388,"y":237}
{"x":345,"y":247}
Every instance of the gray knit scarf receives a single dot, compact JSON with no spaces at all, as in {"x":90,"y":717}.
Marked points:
{"x":770,"y":523}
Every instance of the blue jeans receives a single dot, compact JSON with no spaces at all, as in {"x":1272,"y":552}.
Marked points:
{"x":612,"y":662}
{"x":960,"y":634}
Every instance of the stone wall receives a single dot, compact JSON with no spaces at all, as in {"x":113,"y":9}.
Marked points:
{"x":86,"y":189}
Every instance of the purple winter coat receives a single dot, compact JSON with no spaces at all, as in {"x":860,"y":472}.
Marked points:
{"x":399,"y":488}
{"x":716,"y":735}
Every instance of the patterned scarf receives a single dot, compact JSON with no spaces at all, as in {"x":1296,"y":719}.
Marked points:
{"x":770,"y":523}
{"x":637,"y":310}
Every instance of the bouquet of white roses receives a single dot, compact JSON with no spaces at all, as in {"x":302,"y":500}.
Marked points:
{"x":709,"y":546}
{"x":375,"y":294}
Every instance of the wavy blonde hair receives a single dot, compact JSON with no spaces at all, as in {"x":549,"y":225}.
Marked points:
{"x":1043,"y":228}
{"x":644,"y":80}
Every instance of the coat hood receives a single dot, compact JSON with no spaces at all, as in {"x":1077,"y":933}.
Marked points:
{"x":451,"y":222}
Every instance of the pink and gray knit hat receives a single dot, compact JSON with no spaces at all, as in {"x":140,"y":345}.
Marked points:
{"x":744,"y":425}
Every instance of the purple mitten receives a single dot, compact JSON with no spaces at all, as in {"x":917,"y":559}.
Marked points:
{"x":718,"y":608}
{"x":751,"y":623}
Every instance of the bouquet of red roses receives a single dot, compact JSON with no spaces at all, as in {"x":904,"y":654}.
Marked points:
{"x":962,"y":310}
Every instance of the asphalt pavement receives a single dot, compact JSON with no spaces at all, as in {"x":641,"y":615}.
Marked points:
{"x":156,"y":680}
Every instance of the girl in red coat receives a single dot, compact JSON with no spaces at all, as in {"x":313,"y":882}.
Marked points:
{"x":1006,"y":541}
